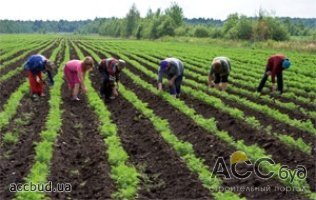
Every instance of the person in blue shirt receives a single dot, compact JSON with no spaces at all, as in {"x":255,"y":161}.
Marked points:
{"x":34,"y":66}
{"x":173,"y":68}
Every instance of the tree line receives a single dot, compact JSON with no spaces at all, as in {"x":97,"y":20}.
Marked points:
{"x":171,"y":22}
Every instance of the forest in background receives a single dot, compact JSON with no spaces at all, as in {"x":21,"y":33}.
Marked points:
{"x":171,"y":22}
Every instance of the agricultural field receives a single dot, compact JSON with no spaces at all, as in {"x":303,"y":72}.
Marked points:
{"x":146,"y":144}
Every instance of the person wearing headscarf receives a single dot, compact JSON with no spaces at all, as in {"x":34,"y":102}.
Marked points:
{"x":110,"y":68}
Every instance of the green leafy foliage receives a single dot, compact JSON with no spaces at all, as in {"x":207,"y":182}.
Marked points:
{"x":10,"y":138}
{"x":44,"y":149}
{"x":125,"y":176}
{"x":253,"y":151}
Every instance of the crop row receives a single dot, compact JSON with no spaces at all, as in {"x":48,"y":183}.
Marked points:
{"x":25,"y":53}
{"x":184,"y":149}
{"x":198,"y":73}
{"x":247,"y":84}
{"x":14,"y":101}
{"x":253,"y":57}
{"x":44,"y":149}
{"x":241,"y":71}
{"x":18,"y":48}
{"x":235,"y":112}
{"x":237,"y":90}
{"x":305,"y":126}
{"x":11,"y":47}
{"x":124,"y":174}
{"x":14,"y":72}
{"x":210,"y":126}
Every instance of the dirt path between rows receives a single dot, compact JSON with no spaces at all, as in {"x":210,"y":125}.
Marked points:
{"x":205,"y":145}
{"x":263,"y":119}
{"x":79,"y":156}
{"x":17,"y":159}
{"x":164,"y":174}
{"x":241,"y":131}
{"x":9,"y":86}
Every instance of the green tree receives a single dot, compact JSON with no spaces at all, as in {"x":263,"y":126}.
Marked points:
{"x":201,"y":31}
{"x":230,"y":22}
{"x":166,"y":27}
{"x":139,"y":32}
{"x":238,"y":27}
{"x":132,"y":19}
{"x":150,"y":14}
{"x":244,"y":28}
{"x":183,"y":30}
{"x":216,"y":32}
{"x":175,"y":12}
{"x":261,"y":30}
{"x":277,"y":30}
{"x":153,"y":32}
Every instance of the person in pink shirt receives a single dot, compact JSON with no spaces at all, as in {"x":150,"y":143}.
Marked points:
{"x":74,"y":72}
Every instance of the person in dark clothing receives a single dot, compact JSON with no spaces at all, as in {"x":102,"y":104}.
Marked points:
{"x":173,"y":68}
{"x":219,"y":72}
{"x":274,"y":68}
{"x":110,"y":69}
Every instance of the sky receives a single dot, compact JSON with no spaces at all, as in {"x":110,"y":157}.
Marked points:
{"x":216,"y":9}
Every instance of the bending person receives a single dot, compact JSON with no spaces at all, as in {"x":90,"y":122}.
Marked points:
{"x":219,"y":72}
{"x":172,"y":68}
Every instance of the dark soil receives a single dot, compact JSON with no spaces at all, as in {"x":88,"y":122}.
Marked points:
{"x":16,"y":160}
{"x":20,"y":62}
{"x":205,"y":145}
{"x":9,"y":86}
{"x":276,"y":126}
{"x":280,"y":98}
{"x":267,"y":121}
{"x":80,"y":154}
{"x":294,"y":114}
{"x":241,"y":131}
{"x":18,"y":53}
{"x":164,"y":174}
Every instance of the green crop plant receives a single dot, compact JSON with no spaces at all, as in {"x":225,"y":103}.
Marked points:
{"x":232,"y":111}
{"x":10,"y":108}
{"x":218,"y":104}
{"x":252,"y":151}
{"x":10,"y":138}
{"x":125,"y":175}
{"x":200,"y":76}
{"x":20,"y":69}
{"x":44,"y":149}
{"x":202,"y":69}
{"x":38,"y":47}
{"x":183,"y":149}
